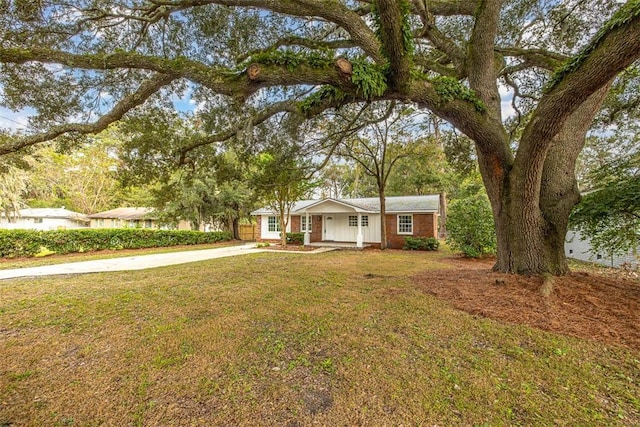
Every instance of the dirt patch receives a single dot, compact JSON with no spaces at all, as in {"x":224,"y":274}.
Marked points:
{"x":583,"y":304}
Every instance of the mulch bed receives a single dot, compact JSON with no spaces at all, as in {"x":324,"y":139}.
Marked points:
{"x":583,"y":304}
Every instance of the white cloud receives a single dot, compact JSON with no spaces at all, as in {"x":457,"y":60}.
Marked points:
{"x":506,"y":94}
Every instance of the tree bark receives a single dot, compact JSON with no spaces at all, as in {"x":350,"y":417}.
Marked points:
{"x":531,"y":226}
{"x":383,"y":220}
{"x":236,"y":228}
{"x":442,"y":225}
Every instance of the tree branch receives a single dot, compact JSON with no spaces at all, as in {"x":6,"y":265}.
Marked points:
{"x":146,"y":89}
{"x":391,"y":35}
{"x":445,"y":7}
{"x":331,"y":10}
{"x":262,"y":116}
{"x":482,"y":61}
{"x":301,"y":41}
{"x":611,"y":53}
{"x":534,"y":57}
{"x":222,"y":81}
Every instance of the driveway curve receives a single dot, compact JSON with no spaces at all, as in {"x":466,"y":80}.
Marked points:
{"x":136,"y":262}
{"x":141,"y":262}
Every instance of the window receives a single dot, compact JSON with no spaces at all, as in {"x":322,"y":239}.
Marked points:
{"x":353,"y":220}
{"x":405,"y":224}
{"x":303,"y":223}
{"x":274,"y":224}
{"x":148,"y":223}
{"x":37,"y":220}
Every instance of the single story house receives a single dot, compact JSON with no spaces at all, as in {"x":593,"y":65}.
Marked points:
{"x":44,"y":219}
{"x":578,"y":247}
{"x":355,"y":220}
{"x":130,"y":218}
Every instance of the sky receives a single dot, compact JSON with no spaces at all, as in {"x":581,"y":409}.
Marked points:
{"x":13,"y":120}
{"x":18,"y":120}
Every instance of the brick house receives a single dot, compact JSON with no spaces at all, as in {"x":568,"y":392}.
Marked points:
{"x":355,"y":220}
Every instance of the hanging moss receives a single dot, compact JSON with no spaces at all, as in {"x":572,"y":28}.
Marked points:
{"x":449,"y":89}
{"x":625,"y":14}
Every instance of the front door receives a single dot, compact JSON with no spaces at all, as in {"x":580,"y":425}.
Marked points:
{"x":328,"y":224}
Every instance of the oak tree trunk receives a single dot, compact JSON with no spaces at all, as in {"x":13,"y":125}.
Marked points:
{"x":531,"y":205}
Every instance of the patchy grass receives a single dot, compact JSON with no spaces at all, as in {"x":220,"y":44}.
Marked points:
{"x":340,"y":338}
{"x":10,"y":263}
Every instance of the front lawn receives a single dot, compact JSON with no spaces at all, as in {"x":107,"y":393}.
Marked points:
{"x":339,"y":338}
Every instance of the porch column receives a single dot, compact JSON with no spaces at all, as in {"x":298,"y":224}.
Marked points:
{"x":307,"y":232}
{"x":359,"y":237}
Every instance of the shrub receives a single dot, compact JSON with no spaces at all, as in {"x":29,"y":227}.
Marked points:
{"x":295,"y":238}
{"x":421,"y":244}
{"x":470,"y":226}
{"x":27,"y":243}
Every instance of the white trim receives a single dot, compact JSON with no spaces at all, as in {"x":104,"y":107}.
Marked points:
{"x":405,"y":233}
{"x":276,"y":224}
{"x":311,"y":207}
{"x":307,"y":220}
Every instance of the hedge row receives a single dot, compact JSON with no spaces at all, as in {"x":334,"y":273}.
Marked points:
{"x":27,"y":243}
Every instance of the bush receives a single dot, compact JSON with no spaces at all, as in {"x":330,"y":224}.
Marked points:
{"x":295,"y":238}
{"x":27,"y":243}
{"x":470,"y":226}
{"x":421,"y":244}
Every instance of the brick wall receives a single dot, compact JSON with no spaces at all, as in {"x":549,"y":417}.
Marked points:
{"x":424,"y":225}
{"x":295,"y":224}
{"x":316,"y":228}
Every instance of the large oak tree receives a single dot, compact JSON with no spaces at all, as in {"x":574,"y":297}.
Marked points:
{"x":84,"y":64}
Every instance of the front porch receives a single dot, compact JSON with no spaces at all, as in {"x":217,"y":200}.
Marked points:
{"x":338,"y":245}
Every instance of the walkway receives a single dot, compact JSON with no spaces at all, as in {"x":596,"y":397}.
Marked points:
{"x":138,"y":262}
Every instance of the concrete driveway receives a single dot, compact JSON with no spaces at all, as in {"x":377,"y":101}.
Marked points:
{"x":136,"y":262}
{"x":140,"y":262}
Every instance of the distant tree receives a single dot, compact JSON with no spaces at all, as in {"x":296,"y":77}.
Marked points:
{"x":334,"y":180}
{"x":470,"y":224}
{"x":84,"y":180}
{"x":377,"y":148}
{"x":282,"y":178}
{"x":232,"y":200}
{"x":610,"y":215}
{"x":13,"y":185}
{"x":460,"y":154}
{"x":186,"y":196}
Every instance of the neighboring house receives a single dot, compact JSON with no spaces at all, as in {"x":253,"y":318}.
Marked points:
{"x":355,"y":220}
{"x":131,"y":218}
{"x":579,"y":247}
{"x":44,"y":219}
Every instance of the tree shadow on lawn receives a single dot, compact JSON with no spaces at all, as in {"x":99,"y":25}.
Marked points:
{"x":584,"y":305}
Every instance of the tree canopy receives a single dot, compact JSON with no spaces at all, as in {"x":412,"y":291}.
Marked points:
{"x":243,"y":63}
